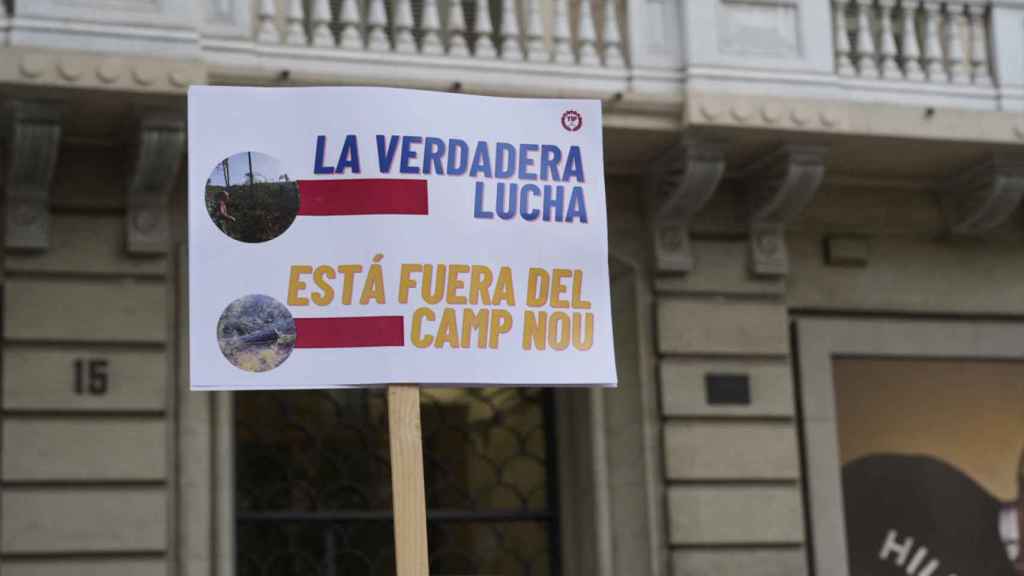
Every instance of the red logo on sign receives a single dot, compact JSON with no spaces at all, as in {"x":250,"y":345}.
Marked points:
{"x":572,"y":120}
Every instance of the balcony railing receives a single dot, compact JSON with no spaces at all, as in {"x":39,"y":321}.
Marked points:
{"x":647,"y":56}
{"x":928,"y":41}
{"x":580,"y":32}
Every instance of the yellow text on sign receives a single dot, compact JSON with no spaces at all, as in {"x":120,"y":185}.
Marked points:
{"x":458,"y":284}
{"x":570,"y":324}
{"x":557,"y":315}
{"x":559,"y":289}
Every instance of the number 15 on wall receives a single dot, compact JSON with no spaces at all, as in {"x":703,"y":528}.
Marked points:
{"x":90,"y":377}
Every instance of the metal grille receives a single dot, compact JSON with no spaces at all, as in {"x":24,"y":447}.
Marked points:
{"x":314,"y":487}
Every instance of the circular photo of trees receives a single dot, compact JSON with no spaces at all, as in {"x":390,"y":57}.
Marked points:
{"x":251,"y":198}
{"x":256,"y":333}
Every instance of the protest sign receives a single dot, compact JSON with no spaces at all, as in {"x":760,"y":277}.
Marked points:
{"x":351,"y":236}
{"x":358,"y":236}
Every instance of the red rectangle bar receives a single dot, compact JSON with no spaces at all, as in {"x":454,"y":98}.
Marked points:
{"x":352,"y":332}
{"x":362,"y":196}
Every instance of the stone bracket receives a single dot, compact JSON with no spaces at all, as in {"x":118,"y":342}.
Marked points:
{"x":161,"y":147}
{"x":778,"y":187}
{"x":34,"y":142}
{"x":685,"y":179}
{"x":984,"y":197}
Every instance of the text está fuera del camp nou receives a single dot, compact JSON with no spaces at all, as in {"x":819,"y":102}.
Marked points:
{"x":476,"y":301}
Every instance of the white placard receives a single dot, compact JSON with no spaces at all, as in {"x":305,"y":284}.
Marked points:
{"x":353,"y":236}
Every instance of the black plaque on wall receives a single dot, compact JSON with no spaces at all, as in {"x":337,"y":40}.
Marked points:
{"x":727,"y":388}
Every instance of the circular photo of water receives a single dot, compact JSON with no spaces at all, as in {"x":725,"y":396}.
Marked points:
{"x":256,"y":333}
{"x":251,"y":198}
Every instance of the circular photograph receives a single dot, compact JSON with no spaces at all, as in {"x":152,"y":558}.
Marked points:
{"x":256,"y":333}
{"x":251,"y":198}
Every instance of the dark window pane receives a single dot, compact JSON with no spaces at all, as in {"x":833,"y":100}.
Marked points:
{"x":314,"y":488}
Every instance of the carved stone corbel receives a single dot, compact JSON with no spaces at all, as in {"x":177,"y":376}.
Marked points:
{"x":161,"y":146}
{"x":32,"y":154}
{"x":983,"y":197}
{"x":778,"y":187}
{"x":685,"y":178}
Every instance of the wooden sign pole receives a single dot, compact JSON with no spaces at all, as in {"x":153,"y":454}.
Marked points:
{"x":407,"y":488}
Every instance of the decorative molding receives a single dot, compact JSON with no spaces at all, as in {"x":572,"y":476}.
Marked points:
{"x":740,"y":111}
{"x":161,"y":147}
{"x":771,"y":112}
{"x":685,"y":179}
{"x":105,"y":72}
{"x":984,"y":197}
{"x":778,"y":187}
{"x":35,"y":130}
{"x":710,"y":109}
{"x":759,"y":28}
{"x":109,"y":70}
{"x":800,"y":116}
{"x":70,"y":68}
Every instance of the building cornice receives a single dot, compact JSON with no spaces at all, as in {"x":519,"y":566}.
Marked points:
{"x":730,"y":111}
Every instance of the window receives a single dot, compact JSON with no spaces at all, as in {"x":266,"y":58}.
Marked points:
{"x":313,"y":492}
{"x":927,"y":444}
{"x":914,"y":442}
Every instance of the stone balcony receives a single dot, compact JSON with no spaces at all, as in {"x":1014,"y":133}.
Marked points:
{"x":750,"y":70}
{"x":966,"y":53}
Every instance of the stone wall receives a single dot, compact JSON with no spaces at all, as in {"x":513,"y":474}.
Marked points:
{"x":732,"y":471}
{"x":87,"y":427}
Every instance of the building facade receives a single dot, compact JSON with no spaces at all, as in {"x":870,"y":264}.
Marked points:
{"x":817,"y":290}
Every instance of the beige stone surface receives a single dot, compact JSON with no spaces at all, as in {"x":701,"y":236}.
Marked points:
{"x":630,"y":423}
{"x":86,"y":567}
{"x":735,"y":514}
{"x":731,"y":451}
{"x":718,"y":326}
{"x":87,"y":311}
{"x":86,"y":244}
{"x":48,"y":449}
{"x":37,"y":378}
{"x":784,"y":562}
{"x":902,"y":275}
{"x":683,"y":391}
{"x":105,"y":171}
{"x":86,"y":519}
{"x":197,"y":464}
{"x":720,"y":268}
{"x":874,"y":208}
